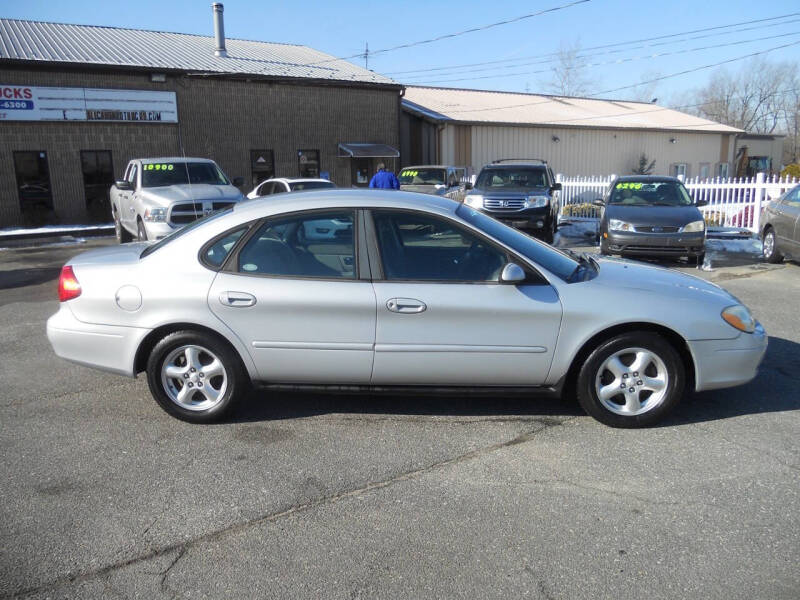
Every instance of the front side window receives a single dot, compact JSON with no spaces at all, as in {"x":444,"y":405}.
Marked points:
{"x":422,"y":247}
{"x":319,"y":244}
{"x":167,"y":173}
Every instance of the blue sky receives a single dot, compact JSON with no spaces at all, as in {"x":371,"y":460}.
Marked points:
{"x":343,"y":29}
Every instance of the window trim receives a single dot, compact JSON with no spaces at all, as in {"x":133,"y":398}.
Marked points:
{"x":232,"y":261}
{"x":201,"y":254}
{"x":533,"y":276}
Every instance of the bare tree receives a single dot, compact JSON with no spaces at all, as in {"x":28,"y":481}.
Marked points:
{"x":753,"y":99}
{"x":568,"y":74}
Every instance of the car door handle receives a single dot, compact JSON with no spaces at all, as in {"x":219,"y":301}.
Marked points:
{"x":405,"y":305}
{"x":237,"y":299}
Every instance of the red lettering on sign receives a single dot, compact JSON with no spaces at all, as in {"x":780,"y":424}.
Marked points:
{"x":12,"y":93}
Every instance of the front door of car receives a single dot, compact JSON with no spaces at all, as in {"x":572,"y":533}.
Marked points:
{"x":126,"y":207}
{"x":444,"y":318}
{"x":297,"y":303}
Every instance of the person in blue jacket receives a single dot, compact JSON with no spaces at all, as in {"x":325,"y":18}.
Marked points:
{"x":384,"y":179}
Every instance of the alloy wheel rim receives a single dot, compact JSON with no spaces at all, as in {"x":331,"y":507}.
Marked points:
{"x":769,"y":244}
{"x":632,"y":381}
{"x":194,"y":378}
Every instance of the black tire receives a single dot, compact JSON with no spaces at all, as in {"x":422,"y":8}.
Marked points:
{"x":774,"y":256}
{"x":232,"y":384}
{"x":594,"y":374}
{"x":547,"y":235}
{"x":604,"y":248}
{"x":697,"y":260}
{"x":142,"y":232}
{"x":123,"y":235}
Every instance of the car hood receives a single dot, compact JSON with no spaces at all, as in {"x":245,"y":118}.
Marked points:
{"x":423,"y":189}
{"x":166,"y":195}
{"x":620,"y":273}
{"x":665,"y":216}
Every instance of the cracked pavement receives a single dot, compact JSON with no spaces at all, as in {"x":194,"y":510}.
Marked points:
{"x":304,"y":496}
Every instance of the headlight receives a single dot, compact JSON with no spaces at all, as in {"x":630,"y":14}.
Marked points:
{"x":537,"y":201}
{"x":474,"y":200}
{"x":739,"y":316}
{"x":694,"y":227}
{"x":157,"y":215}
{"x":617,"y":225}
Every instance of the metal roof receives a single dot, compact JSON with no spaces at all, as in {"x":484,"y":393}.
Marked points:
{"x":113,"y":46}
{"x":478,"y":106}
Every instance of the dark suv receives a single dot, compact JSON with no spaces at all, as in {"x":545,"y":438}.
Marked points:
{"x":520,"y":192}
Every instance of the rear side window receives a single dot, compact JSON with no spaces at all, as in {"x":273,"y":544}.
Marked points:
{"x":318,"y":245}
{"x":217,"y":252}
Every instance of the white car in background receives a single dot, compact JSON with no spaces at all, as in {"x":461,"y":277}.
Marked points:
{"x":280,"y":185}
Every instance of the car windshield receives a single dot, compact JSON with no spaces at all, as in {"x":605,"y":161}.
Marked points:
{"x":299,"y":186}
{"x":555,"y":261}
{"x":183,"y":231}
{"x":650,"y":193}
{"x":415,"y":176}
{"x":176,"y":173}
{"x":505,"y":178}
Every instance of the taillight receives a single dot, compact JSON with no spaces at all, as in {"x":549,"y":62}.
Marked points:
{"x":68,"y":286}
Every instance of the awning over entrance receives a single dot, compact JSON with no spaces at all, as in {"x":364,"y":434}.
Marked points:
{"x":362,"y":150}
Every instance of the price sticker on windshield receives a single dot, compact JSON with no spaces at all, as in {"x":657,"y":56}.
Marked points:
{"x":629,"y":185}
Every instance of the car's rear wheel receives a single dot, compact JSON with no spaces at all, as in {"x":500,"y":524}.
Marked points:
{"x":631,"y":380}
{"x":195,"y":377}
{"x":142,"y":232}
{"x":771,"y":252}
{"x":123,"y":235}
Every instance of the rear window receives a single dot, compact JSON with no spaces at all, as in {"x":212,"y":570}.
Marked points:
{"x":422,"y":176}
{"x":299,"y":186}
{"x":217,"y":252}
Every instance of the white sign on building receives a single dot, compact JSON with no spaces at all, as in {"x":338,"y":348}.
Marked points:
{"x":30,"y":103}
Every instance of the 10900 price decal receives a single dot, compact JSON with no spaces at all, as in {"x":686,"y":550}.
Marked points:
{"x":18,"y":104}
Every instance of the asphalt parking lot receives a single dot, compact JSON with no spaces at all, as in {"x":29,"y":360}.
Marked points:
{"x":309,"y":496}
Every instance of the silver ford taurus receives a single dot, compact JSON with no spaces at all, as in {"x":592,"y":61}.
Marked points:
{"x":391,"y":290}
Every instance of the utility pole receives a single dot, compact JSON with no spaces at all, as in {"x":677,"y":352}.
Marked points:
{"x":366,"y":56}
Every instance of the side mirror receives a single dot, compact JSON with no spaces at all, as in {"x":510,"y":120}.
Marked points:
{"x":556,"y":187}
{"x":700,"y":203}
{"x":598,"y":202}
{"x":512,"y":273}
{"x":123,"y":184}
{"x":467,"y":185}
{"x":238,"y":181}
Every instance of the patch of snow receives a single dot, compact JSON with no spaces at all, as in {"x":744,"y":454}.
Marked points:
{"x":54,"y":229}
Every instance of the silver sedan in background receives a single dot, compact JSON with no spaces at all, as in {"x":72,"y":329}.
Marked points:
{"x":415,"y":292}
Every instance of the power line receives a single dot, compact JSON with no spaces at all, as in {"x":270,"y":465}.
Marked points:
{"x":678,"y":74}
{"x":456,"y":34}
{"x":616,"y":44}
{"x":615,"y":51}
{"x":613,"y":62}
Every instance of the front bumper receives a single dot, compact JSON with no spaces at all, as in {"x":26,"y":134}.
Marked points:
{"x":727,"y":363}
{"x":105,"y":347}
{"x":527,"y":218}
{"x":662,"y":244}
{"x":156,"y":231}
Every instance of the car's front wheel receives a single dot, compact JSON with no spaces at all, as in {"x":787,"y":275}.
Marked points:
{"x":141,"y":231}
{"x":195,"y":377}
{"x":123,"y":236}
{"x":631,"y":380}
{"x":771,"y":253}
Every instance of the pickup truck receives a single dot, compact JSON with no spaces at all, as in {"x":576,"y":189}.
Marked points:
{"x":156,"y":196}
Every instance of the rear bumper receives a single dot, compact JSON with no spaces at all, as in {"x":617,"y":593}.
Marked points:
{"x":727,"y":363}
{"x":104,"y":347}
{"x":663,"y":244}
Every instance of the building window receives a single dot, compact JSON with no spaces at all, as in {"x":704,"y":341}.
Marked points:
{"x":705,"y":170}
{"x":722,"y":170}
{"x":98,"y":177}
{"x":33,"y":186}
{"x":308,"y":163}
{"x":361,"y":171}
{"x":679,"y":170}
{"x":262,"y":166}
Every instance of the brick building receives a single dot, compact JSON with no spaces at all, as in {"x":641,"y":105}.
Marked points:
{"x":78,"y":102}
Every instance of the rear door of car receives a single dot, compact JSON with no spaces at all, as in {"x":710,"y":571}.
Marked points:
{"x":784,"y":220}
{"x":443,"y":317}
{"x":300,"y":305}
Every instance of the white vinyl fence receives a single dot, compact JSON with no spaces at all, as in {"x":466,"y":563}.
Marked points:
{"x":732,"y":202}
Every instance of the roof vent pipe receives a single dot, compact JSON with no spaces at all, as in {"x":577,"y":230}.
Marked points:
{"x":219,"y":30}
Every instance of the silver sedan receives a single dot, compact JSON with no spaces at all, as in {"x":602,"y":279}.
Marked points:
{"x":390,"y":290}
